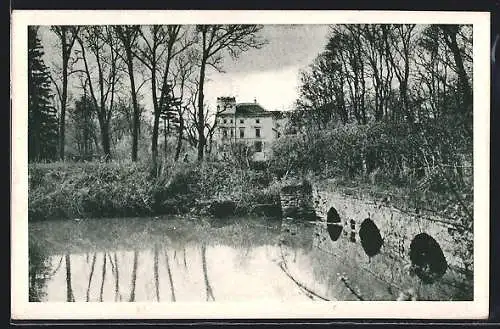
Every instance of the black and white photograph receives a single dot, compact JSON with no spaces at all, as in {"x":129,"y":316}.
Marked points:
{"x":316,"y":165}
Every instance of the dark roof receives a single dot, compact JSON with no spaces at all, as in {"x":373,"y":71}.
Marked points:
{"x":250,"y":109}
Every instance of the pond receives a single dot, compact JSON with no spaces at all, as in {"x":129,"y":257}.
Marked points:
{"x":191,"y":259}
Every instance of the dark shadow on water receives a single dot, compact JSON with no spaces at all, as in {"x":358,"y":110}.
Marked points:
{"x":334,"y":230}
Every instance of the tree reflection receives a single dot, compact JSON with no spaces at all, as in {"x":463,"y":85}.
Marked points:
{"x":118,"y":296}
{"x":209,"y":291}
{"x":103,"y":277}
{"x":134,"y":277}
{"x":184,"y":254}
{"x":39,"y":272}
{"x":92,"y":267}
{"x":172,"y":290}
{"x":155,"y":271}
{"x":69,"y":290}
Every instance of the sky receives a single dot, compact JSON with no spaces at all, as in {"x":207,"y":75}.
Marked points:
{"x":270,"y":75}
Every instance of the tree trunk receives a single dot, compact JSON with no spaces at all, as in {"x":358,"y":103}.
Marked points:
{"x":179,"y":138}
{"x":165,"y":138}
{"x":201,"y":120}
{"x":136,"y":117}
{"x":105,"y":138}
{"x":156,"y":122}
{"x":64,"y":96}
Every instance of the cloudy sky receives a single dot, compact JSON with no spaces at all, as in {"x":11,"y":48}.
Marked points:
{"x":270,"y":74}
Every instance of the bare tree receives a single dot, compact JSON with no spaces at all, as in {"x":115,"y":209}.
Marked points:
{"x":354,"y":68}
{"x":214,"y":40}
{"x":182,"y":77}
{"x":128,"y":36}
{"x":450,"y":34}
{"x":67,"y":36}
{"x":100,"y":42}
{"x":381,"y":72}
{"x":161,"y":44}
{"x":399,"y":40}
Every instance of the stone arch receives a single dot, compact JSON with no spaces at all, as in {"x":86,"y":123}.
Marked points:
{"x":333,"y":224}
{"x":332,"y":216}
{"x":427,"y":258}
{"x":371,"y":239}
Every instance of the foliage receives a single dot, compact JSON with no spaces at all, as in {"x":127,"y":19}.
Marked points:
{"x":100,"y":189}
{"x":398,"y":73}
{"x":84,"y":128}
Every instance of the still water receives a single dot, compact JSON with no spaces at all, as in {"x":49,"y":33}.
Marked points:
{"x":168,"y":259}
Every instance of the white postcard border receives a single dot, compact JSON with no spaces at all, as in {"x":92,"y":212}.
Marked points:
{"x":22,"y":309}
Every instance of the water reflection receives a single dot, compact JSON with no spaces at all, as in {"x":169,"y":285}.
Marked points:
{"x":179,"y":260}
{"x":39,"y":272}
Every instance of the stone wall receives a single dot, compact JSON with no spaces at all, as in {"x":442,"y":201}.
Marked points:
{"x":375,"y":241}
{"x":297,"y":202}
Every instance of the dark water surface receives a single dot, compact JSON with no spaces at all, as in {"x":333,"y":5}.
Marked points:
{"x":194,"y":259}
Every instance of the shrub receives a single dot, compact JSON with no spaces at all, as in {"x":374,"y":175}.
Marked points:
{"x":76,"y":190}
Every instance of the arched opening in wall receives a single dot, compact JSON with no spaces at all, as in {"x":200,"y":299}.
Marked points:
{"x":332,"y":216}
{"x":371,"y":239}
{"x":332,"y":224}
{"x":427,"y":258}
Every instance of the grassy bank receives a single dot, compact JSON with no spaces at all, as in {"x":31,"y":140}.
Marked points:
{"x":83,"y":190}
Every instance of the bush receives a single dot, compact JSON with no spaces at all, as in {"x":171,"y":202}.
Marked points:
{"x":78,"y":190}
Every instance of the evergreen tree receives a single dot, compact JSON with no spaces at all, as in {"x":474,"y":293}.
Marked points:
{"x":42,"y":115}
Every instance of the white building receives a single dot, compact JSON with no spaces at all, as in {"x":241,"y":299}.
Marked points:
{"x":247,"y":123}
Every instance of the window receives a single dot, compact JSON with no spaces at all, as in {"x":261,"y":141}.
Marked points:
{"x":257,"y":132}
{"x":225,"y":121}
{"x":231,"y":121}
{"x":257,"y":120}
{"x":241,"y":120}
{"x":224,"y":133}
{"x":232,"y":133}
{"x":258,"y":146}
{"x":242,"y":132}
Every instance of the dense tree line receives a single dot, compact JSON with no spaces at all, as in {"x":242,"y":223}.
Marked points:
{"x":119,"y":69}
{"x":404,"y":91}
{"x":397,"y":73}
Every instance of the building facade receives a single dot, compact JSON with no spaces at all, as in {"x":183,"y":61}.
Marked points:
{"x":247,"y":123}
